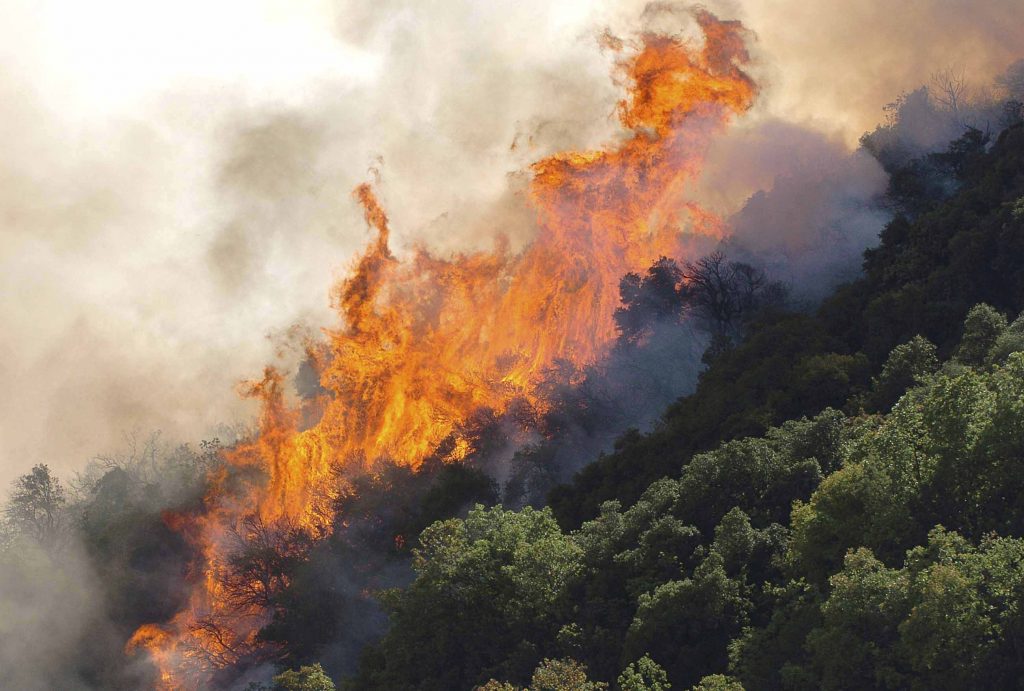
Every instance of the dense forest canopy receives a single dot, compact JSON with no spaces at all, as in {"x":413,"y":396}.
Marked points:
{"x":836,"y":506}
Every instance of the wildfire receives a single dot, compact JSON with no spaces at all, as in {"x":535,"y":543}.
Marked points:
{"x":426,"y":342}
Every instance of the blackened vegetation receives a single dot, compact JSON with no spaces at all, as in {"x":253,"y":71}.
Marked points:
{"x":263,"y":555}
{"x":718,"y":294}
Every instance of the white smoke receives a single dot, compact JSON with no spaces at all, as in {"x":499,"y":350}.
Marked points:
{"x":175,"y":179}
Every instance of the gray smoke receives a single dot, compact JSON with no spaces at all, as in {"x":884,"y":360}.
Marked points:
{"x":820,"y":209}
{"x":175,"y":188}
{"x":175,"y":180}
{"x":48,"y":607}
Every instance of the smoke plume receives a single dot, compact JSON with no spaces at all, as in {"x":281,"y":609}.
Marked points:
{"x":175,"y":199}
{"x":175,"y":183}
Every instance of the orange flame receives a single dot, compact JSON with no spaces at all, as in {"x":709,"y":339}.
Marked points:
{"x":428,"y":341}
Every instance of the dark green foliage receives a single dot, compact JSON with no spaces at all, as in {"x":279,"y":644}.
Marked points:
{"x":455,"y":488}
{"x":926,"y":274}
{"x":761,"y":382}
{"x":738,"y":550}
{"x":311,"y":678}
{"x":1011,"y":340}
{"x":762,"y":476}
{"x":773,"y":655}
{"x":643,"y":675}
{"x":908,"y":364}
{"x":921,"y":280}
{"x":949,"y":618}
{"x":485,"y":602}
{"x":629,"y":577}
{"x":690,"y":622}
{"x":982,"y":328}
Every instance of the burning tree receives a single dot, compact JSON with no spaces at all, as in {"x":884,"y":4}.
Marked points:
{"x":428,"y":343}
{"x":717,"y":293}
{"x":261,"y":561}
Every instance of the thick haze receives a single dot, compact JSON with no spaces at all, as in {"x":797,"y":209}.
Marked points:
{"x":175,"y":178}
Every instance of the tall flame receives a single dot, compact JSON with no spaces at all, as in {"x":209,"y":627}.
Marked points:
{"x":428,"y":341}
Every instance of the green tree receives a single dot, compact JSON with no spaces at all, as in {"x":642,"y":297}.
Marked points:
{"x":1011,"y":340}
{"x":774,"y":655}
{"x":306,"y":678}
{"x":488,"y":596}
{"x":908,"y":364}
{"x":718,"y":682}
{"x":949,"y":618}
{"x":687,"y":624}
{"x":946,"y":454}
{"x":495,"y":685}
{"x":854,"y":648}
{"x":644,"y":675}
{"x":563,"y":675}
{"x":982,"y":328}
{"x":37,"y":508}
{"x":1018,"y":209}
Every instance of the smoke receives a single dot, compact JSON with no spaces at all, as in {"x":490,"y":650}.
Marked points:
{"x":175,"y":189}
{"x":83,"y":564}
{"x":175,"y":182}
{"x":592,"y":408}
{"x":152,"y":237}
{"x":833,"y":65}
{"x":47,"y":606}
{"x":811,"y":207}
{"x":1011,"y":81}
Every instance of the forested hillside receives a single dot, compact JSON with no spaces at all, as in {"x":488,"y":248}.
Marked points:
{"x":838,"y":505}
{"x":929,"y":269}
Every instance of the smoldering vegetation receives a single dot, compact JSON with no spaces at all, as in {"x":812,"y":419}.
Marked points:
{"x":83,"y":563}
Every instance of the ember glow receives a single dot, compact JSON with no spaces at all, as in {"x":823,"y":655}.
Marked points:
{"x":426,"y":342}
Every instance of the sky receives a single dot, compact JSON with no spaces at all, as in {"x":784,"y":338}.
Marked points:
{"x":175,"y":177}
